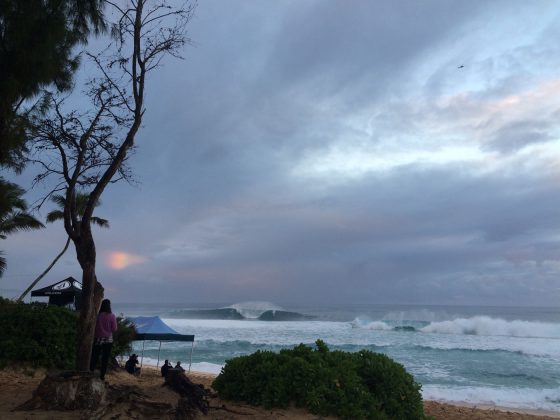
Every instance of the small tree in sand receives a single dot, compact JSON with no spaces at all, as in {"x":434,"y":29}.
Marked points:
{"x":89,"y":150}
{"x":55,"y":215}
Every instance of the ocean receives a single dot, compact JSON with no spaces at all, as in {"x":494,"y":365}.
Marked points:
{"x":502,"y":356}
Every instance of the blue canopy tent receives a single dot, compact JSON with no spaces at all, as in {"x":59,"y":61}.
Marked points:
{"x":153,"y":328}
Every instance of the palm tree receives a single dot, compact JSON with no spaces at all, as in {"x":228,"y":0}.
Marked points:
{"x":53,"y":216}
{"x":13,"y":214}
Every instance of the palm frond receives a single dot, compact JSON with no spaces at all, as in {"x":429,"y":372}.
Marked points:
{"x":59,"y":200}
{"x":81,"y":203}
{"x":100,"y":222}
{"x":18,"y":221}
{"x":55,"y":215}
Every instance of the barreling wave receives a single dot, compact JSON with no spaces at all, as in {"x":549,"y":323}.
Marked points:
{"x":254,"y":309}
{"x":262,"y":311}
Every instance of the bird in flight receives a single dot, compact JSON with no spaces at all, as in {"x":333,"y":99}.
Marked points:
{"x":461,"y":66}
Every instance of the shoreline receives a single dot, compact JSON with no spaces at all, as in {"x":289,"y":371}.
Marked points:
{"x":491,"y":407}
{"x":18,"y":385}
{"x":459,"y":404}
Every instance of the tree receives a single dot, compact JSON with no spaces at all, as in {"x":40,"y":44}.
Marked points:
{"x":13,"y":214}
{"x":88,"y":150}
{"x":37,"y":40}
{"x":55,"y":215}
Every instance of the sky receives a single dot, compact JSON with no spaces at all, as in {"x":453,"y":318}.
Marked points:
{"x":337,"y":152}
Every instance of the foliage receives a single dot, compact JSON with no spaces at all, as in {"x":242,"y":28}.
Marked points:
{"x":122,"y":338}
{"x":88,"y":148}
{"x":13,"y":214}
{"x":45,"y":335}
{"x":81,"y":200}
{"x":38,"y":39}
{"x":58,"y":214}
{"x":362,"y":385}
{"x":36,"y":333}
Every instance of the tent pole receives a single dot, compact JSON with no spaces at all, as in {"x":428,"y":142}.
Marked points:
{"x":190,"y":360}
{"x":158,"y":354}
{"x":142,"y":359}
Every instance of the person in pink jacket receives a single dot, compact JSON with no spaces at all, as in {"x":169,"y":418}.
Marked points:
{"x":103,"y":339}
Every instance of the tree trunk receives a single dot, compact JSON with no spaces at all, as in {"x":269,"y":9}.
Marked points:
{"x":67,"y":391}
{"x":44,"y":272}
{"x":92,"y":295}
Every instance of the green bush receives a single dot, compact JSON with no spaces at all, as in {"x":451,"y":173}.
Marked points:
{"x":362,"y":385}
{"x":45,"y":335}
{"x":38,"y":334}
{"x":122,"y":338}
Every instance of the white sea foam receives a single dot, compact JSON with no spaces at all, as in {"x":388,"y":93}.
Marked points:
{"x":484,"y":325}
{"x":254,"y":309}
{"x":473,"y":358}
{"x":415,"y":315}
{"x":525,"y":398}
{"x":370,"y":325}
{"x":195,"y":367}
{"x":207,"y":367}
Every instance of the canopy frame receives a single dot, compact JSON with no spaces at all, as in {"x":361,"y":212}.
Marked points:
{"x":159,"y":351}
{"x":154,"y":329}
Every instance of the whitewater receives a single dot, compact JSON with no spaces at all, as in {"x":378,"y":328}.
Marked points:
{"x":507,"y":357}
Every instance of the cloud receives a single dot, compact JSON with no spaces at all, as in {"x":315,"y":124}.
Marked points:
{"x":320,"y":152}
{"x":119,"y":260}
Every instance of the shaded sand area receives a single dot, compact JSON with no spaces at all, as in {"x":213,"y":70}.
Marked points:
{"x":17,"y":387}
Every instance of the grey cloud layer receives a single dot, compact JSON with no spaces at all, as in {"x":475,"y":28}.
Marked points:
{"x":223,"y":211}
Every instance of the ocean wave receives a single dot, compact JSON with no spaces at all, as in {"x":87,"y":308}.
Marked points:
{"x":203,"y":367}
{"x":487,"y":326}
{"x":380,"y":325}
{"x":370,"y":325}
{"x":255,"y":311}
{"x":524,"y":398}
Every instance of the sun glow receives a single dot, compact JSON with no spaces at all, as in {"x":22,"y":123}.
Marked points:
{"x":119,"y":260}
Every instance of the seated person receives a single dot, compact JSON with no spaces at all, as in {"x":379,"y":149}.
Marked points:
{"x":165,"y":368}
{"x":130,"y":365}
{"x":178,"y":366}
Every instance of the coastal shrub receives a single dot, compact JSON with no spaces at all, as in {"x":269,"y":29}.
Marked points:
{"x":122,"y":338}
{"x":362,"y":385}
{"x":45,"y":335}
{"x":37,"y":333}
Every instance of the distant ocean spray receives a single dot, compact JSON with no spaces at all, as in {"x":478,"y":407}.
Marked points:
{"x":482,"y":355}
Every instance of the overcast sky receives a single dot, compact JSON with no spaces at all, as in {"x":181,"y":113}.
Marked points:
{"x":334,"y":152}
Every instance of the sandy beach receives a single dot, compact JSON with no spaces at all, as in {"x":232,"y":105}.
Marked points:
{"x":17,"y":387}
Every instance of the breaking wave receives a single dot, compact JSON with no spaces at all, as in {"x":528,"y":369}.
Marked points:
{"x":477,"y":325}
{"x":380,"y":326}
{"x":484,"y":325}
{"x":261,"y":311}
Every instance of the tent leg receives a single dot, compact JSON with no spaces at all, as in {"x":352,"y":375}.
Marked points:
{"x":158,"y":354}
{"x":142,"y":359}
{"x":190,"y":360}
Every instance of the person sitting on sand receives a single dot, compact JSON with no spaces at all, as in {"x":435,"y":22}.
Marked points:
{"x":130,"y":365}
{"x":103,"y":339}
{"x":165,"y":368}
{"x":178,"y":366}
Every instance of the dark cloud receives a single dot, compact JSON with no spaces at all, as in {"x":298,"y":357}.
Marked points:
{"x":312,"y":151}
